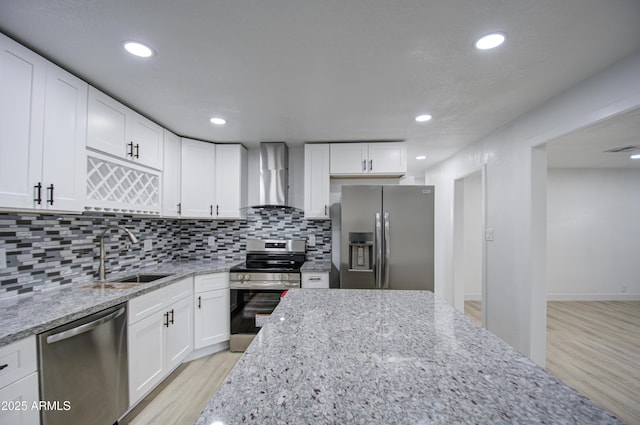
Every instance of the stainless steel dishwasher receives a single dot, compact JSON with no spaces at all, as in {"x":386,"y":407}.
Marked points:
{"x":83,"y":370}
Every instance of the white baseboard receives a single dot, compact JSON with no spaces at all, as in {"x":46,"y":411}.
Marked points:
{"x":472,"y":297}
{"x":593,"y":297}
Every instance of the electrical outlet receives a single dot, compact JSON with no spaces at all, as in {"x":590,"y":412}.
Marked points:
{"x":488,"y":235}
{"x":211,"y":240}
{"x":311,"y":240}
{"x":3,"y":258}
{"x":148,"y":244}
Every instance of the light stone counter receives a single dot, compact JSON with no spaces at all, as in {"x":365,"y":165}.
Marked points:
{"x":387,"y":357}
{"x":28,"y":315}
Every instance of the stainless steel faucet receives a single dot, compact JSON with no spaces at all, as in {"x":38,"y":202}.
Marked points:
{"x":101,"y":269}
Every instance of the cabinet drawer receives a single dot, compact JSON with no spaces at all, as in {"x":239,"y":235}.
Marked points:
{"x":209,"y":282}
{"x":146,"y":304}
{"x":179,"y":290}
{"x":315,"y":280}
{"x":17,"y":360}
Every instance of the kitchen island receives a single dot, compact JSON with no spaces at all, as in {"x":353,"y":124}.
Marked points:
{"x":387,"y":357}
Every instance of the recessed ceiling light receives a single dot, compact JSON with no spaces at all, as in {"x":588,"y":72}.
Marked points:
{"x":490,"y":41}
{"x":423,"y":118}
{"x":421,"y":157}
{"x":138,"y":49}
{"x":635,"y":156}
{"x":218,"y":121}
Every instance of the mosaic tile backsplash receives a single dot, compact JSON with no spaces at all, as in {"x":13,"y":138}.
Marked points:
{"x":48,"y":250}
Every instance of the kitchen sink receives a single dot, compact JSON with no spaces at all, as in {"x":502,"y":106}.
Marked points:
{"x":129,"y":281}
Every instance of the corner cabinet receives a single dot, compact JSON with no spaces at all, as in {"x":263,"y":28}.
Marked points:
{"x":171,"y":175}
{"x":159,"y":334}
{"x":119,"y":131}
{"x":197,"y":179}
{"x":368,"y":159}
{"x":231,"y":181}
{"x":316,"y":181}
{"x":43,"y":121}
{"x":211,"y":309}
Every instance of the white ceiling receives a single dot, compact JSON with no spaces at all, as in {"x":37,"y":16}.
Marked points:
{"x":330,"y":70}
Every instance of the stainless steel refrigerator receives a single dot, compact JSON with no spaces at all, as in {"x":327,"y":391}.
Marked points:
{"x":387,"y":237}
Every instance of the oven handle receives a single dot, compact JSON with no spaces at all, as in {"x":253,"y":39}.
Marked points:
{"x":262,"y":285}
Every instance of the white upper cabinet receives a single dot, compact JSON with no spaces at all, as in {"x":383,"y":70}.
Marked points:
{"x":373,"y":159}
{"x":198,"y":179}
{"x":231,"y":181}
{"x":63,"y":153}
{"x":171,"y":175}
{"x":316,"y":181}
{"x":122,"y":132}
{"x":349,"y":158}
{"x":42,"y":132}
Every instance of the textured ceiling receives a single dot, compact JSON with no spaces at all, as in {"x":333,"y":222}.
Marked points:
{"x":308,"y":70}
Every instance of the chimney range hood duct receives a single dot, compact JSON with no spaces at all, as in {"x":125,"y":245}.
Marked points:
{"x":274,"y":175}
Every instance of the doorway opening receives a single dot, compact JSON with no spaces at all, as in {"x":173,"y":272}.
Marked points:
{"x":469,"y":245}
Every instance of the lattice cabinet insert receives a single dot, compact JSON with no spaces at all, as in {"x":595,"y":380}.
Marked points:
{"x":120,"y":187}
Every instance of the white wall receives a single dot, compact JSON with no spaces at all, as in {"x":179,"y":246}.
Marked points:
{"x":515,"y":303}
{"x":593,"y":234}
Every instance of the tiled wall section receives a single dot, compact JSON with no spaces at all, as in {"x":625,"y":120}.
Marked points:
{"x":49,"y":250}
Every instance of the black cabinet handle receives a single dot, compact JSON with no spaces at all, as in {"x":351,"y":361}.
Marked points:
{"x":50,"y":194}
{"x":4,"y":366}
{"x":217,"y":210}
{"x":37,"y":193}
{"x":325,"y":209}
{"x":199,"y":302}
{"x":137,"y":155}
{"x":364,"y":165}
{"x":130,"y":146}
{"x":371,"y":165}
{"x":166,"y":319}
{"x":211,"y":210}
{"x":172,"y":312}
{"x":179,"y":208}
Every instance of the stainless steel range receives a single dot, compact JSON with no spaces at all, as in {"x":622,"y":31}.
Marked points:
{"x":271,"y":267}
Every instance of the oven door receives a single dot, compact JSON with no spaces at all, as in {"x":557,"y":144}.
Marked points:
{"x":251,"y":308}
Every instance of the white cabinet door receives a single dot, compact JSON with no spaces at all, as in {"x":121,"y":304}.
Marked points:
{"x":22,"y":88}
{"x":108,"y":124}
{"x":388,"y":158}
{"x":63,"y":155}
{"x":349,"y":158}
{"x":211,"y":317}
{"x":22,"y":393}
{"x":197,"y":185}
{"x":179,"y":333}
{"x":146,"y":354}
{"x":171,"y":175}
{"x":231,"y":181}
{"x":147,"y":141}
{"x":316,"y":181}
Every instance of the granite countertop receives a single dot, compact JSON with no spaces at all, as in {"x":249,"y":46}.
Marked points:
{"x":316,"y":266}
{"x":28,"y":315}
{"x":336,"y":356}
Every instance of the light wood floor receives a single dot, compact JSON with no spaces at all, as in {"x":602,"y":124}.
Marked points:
{"x":182,"y":396}
{"x":594,"y":346}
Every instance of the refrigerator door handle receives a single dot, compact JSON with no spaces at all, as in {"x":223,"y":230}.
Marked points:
{"x":378,"y":282}
{"x":387,"y":250}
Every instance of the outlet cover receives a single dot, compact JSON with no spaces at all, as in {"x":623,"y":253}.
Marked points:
{"x":3,"y":258}
{"x":488,"y":235}
{"x":211,"y":240}
{"x":148,"y":244}
{"x":311,"y":240}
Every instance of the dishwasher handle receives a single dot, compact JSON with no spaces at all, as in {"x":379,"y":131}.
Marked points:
{"x":51,"y":339}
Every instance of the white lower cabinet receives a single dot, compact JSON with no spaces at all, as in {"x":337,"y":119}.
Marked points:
{"x":315,"y":280}
{"x":160,"y":335}
{"x":211,"y":309}
{"x":19,"y":383}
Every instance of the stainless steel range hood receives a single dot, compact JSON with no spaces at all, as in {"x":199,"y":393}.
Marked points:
{"x":274,"y":175}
